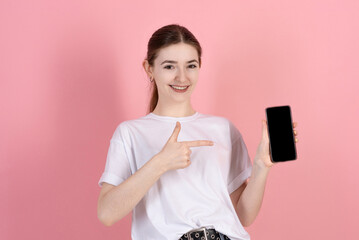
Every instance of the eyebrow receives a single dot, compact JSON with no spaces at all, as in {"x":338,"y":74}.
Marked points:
{"x":171,"y":61}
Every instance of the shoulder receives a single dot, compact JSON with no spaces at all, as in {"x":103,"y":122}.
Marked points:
{"x":227,"y":125}
{"x":221,"y":121}
{"x":221,"y":124}
{"x":125,"y":128}
{"x":122,"y":129}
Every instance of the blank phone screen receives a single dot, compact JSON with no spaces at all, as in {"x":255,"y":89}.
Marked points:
{"x":280,"y":131}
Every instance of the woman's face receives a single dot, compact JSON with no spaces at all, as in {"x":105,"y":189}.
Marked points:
{"x":176,"y":65}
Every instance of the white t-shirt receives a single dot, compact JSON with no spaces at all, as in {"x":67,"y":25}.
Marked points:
{"x":188,"y":198}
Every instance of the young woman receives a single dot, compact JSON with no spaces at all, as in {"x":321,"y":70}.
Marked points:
{"x":184,"y":174}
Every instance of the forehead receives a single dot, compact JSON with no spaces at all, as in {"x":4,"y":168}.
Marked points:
{"x":177,"y":52}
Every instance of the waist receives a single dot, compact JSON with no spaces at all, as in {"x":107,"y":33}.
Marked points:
{"x":204,"y":233}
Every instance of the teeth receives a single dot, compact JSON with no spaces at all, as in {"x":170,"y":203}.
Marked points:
{"x":180,"y":88}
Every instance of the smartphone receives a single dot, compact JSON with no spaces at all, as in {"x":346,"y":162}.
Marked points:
{"x":280,"y":131}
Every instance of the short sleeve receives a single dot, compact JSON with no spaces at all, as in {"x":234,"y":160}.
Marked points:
{"x":241,"y":165}
{"x":117,"y":168}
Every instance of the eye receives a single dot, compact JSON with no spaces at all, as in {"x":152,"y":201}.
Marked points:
{"x":192,"y":66}
{"x":168,"y":67}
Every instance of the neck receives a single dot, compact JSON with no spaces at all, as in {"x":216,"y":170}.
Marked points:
{"x":174,"y":110}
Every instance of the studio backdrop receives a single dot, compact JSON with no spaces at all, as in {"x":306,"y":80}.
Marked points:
{"x":71,"y":71}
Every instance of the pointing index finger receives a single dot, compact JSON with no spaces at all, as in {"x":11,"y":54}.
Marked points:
{"x":199,"y":143}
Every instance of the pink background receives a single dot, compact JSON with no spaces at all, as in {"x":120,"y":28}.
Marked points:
{"x":71,"y":71}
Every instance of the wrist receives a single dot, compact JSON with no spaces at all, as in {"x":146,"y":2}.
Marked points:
{"x":159,"y":164}
{"x":261,"y":165}
{"x":259,"y":171}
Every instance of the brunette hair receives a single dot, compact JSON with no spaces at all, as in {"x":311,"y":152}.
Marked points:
{"x":163,"y":37}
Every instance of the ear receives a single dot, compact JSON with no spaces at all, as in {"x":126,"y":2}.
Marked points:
{"x":147,"y":68}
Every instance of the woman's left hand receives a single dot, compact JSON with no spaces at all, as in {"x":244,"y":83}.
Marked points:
{"x":263,"y":156}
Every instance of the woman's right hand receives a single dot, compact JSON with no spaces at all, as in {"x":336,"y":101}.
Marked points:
{"x":175,"y":155}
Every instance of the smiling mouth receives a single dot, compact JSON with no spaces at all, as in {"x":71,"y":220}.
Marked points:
{"x":179,"y":87}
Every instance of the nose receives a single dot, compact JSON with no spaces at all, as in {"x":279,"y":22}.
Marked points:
{"x":181,"y":75}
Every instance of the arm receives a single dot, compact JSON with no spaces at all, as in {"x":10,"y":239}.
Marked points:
{"x":116,"y":202}
{"x":250,"y":195}
{"x":248,"y":198}
{"x":250,"y":201}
